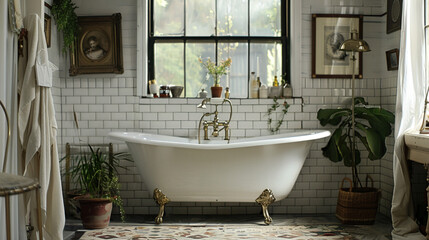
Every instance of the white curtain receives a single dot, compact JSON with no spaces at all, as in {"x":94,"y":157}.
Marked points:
{"x":8,"y":95}
{"x":409,"y":111}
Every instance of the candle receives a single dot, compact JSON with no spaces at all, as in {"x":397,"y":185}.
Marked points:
{"x":257,"y":66}
{"x":227,"y":74}
{"x":275,"y":59}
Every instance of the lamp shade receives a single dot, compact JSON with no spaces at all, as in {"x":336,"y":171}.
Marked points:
{"x":355,"y":44}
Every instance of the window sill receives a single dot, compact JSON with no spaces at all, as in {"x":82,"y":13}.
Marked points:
{"x":196,"y":101}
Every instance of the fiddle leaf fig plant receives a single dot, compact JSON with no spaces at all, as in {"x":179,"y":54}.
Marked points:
{"x":372,"y":126}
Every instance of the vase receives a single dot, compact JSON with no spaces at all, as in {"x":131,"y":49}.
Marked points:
{"x":176,"y":91}
{"x":202,"y":93}
{"x":216,"y":91}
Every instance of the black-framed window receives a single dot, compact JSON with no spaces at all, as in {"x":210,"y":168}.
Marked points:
{"x":250,"y":32}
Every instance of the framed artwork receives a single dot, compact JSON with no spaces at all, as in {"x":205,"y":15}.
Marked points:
{"x":329,"y":31}
{"x":394,"y":15}
{"x":98,"y":47}
{"x":47,"y":28}
{"x":392,"y":59}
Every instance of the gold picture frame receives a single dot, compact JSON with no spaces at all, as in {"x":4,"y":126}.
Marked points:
{"x":329,"y":31}
{"x":47,"y":29}
{"x":98,"y":47}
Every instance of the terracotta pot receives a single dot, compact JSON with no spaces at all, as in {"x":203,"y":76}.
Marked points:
{"x":216,"y":92}
{"x":95,"y":212}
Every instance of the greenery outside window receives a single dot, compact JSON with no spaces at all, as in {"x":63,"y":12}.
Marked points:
{"x":250,"y":32}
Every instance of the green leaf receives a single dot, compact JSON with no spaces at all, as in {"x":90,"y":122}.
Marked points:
{"x":376,"y":143}
{"x":345,"y":151}
{"x":365,"y":143}
{"x":332,"y":116}
{"x":331,"y":150}
{"x":383,"y":114}
{"x":379,"y":124}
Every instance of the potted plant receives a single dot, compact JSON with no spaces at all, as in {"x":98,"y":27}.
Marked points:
{"x":372,"y":126}
{"x":65,"y":17}
{"x":96,"y":175}
{"x":216,"y":72}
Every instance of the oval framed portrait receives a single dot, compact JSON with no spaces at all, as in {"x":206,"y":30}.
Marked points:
{"x":95,"y":45}
{"x":98,"y":46}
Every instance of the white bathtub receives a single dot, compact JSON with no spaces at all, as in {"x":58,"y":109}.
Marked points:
{"x":215,"y":171}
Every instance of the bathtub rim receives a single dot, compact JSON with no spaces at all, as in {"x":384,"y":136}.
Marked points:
{"x":186,"y":142}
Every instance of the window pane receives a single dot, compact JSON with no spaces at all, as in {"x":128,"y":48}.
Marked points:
{"x":238,"y":75}
{"x":169,"y":64}
{"x":168,"y":17}
{"x":266,"y":55}
{"x":200,"y":17}
{"x":265,"y":17}
{"x":196,"y":74}
{"x":232,"y":18}
{"x":176,"y":51}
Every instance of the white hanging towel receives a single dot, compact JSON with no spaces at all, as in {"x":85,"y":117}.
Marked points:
{"x":44,"y":69}
{"x":37,"y":129}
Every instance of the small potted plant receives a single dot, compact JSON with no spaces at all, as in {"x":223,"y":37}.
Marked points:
{"x":96,"y":176}
{"x":216,"y":72}
{"x":356,"y":204}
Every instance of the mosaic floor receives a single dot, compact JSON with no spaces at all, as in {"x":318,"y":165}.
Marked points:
{"x":324,"y":232}
{"x":235,"y":227}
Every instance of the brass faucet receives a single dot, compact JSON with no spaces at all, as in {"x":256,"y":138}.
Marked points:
{"x":216,"y":124}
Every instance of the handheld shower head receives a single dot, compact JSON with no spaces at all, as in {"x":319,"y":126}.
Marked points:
{"x":203,"y":104}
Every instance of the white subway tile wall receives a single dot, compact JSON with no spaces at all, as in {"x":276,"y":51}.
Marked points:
{"x":105,"y":103}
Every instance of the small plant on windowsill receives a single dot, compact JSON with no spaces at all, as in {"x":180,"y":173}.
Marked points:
{"x":216,"y":72}
{"x":271,"y":110}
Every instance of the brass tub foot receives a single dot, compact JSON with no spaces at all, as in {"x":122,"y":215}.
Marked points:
{"x":265,"y":199}
{"x":161,"y":200}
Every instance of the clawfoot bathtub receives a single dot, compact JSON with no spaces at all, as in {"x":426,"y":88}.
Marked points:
{"x":180,"y":169}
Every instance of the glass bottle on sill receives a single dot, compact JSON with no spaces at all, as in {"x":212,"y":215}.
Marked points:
{"x":275,"y":83}
{"x":227,"y":93}
{"x":253,"y":86}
